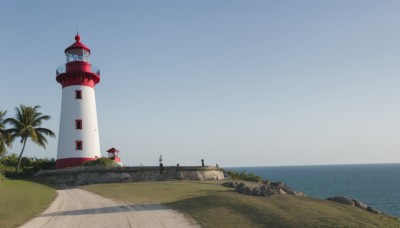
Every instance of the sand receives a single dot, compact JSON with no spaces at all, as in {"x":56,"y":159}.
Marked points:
{"x":79,"y":208}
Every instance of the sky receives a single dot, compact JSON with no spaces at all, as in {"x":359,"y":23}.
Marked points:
{"x":236,"y":83}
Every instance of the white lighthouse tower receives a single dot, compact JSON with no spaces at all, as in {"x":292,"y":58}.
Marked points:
{"x":78,"y":139}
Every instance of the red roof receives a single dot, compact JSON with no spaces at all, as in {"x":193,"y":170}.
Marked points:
{"x":113,"y":150}
{"x":77,"y":44}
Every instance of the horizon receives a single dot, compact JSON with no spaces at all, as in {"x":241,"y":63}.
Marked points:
{"x":237,"y":84}
{"x":344,"y":164}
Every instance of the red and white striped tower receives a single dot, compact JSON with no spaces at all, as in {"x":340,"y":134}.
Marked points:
{"x":78,"y":139}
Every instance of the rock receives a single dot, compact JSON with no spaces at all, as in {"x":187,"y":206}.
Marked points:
{"x":360,"y":204}
{"x":241,"y":188}
{"x":353,"y":202}
{"x":247,"y":190}
{"x":372,"y":210}
{"x":281,"y":191}
{"x":263,"y":191}
{"x":288,"y":190}
{"x":212,"y":175}
{"x":228,"y":184}
{"x":256,"y":191}
{"x":270,"y":191}
{"x":342,"y":199}
{"x":266,"y":182}
{"x":300,"y":194}
{"x":276,"y":184}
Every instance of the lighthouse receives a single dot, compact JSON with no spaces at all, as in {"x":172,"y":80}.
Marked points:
{"x":78,"y":138}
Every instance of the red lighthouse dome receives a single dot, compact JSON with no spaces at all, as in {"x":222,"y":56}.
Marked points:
{"x":77,"y":45}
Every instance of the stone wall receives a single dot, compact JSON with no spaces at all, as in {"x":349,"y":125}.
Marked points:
{"x":93,"y":175}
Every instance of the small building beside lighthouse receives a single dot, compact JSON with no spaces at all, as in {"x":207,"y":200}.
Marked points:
{"x":78,"y":138}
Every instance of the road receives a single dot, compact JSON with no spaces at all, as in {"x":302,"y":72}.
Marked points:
{"x":79,"y":208}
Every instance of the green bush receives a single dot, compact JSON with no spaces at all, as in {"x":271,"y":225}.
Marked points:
{"x":11,"y":172}
{"x":9,"y":161}
{"x":103,"y":162}
{"x":29,"y":166}
{"x":2,"y":176}
{"x":244,"y":176}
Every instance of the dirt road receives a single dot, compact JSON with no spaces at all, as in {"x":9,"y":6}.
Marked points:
{"x":80,"y":208}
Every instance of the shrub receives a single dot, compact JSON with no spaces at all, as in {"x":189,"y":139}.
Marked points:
{"x":11,"y":172}
{"x":244,"y":176}
{"x":2,"y":176}
{"x":103,"y":162}
{"x":29,"y":166}
{"x":9,"y":161}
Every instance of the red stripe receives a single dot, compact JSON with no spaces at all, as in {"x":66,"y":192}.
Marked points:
{"x":78,"y":78}
{"x":71,"y":162}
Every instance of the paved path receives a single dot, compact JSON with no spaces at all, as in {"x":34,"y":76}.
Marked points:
{"x":79,"y":208}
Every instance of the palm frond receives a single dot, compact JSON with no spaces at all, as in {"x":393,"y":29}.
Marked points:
{"x":37,"y":121}
{"x":5,"y":137}
{"x":41,"y":141}
{"x":48,"y":132}
{"x":26,"y":124}
{"x":2,"y":124}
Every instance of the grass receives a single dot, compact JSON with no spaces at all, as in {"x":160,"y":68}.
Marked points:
{"x":213,"y":205}
{"x":21,"y":200}
{"x":155,"y":191}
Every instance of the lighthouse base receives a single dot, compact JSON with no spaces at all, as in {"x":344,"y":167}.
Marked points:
{"x":71,"y":162}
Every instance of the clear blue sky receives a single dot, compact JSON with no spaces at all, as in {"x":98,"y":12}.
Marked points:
{"x":238,"y":83}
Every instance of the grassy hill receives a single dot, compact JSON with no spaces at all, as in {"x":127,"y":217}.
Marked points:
{"x":213,"y":205}
{"x":208,"y":203}
{"x":21,"y":200}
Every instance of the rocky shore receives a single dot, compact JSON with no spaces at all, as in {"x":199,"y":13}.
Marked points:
{"x":261,"y":189}
{"x":278,"y":188}
{"x":355,"y":203}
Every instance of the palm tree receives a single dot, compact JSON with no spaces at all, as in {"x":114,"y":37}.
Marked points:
{"x":27,"y":125}
{"x":5,"y":139}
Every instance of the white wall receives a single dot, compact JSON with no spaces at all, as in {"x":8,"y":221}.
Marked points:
{"x":84,"y":109}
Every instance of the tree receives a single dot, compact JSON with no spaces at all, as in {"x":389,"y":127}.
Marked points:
{"x":27,"y":125}
{"x":5,"y":139}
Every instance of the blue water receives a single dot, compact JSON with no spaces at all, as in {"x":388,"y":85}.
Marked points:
{"x":377,"y":185}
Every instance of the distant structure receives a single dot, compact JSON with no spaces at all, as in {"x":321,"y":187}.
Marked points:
{"x":78,"y":138}
{"x":113,"y":155}
{"x":161,"y":164}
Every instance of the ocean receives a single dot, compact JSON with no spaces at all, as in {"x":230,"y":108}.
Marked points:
{"x":377,"y":185}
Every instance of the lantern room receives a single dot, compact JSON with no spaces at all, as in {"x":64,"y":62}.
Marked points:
{"x":78,"y":65}
{"x":77,"y":51}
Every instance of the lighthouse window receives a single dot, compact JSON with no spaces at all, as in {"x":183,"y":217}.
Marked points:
{"x":78,"y":94}
{"x":78,"y":145}
{"x":78,"y":124}
{"x":77,"y":55}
